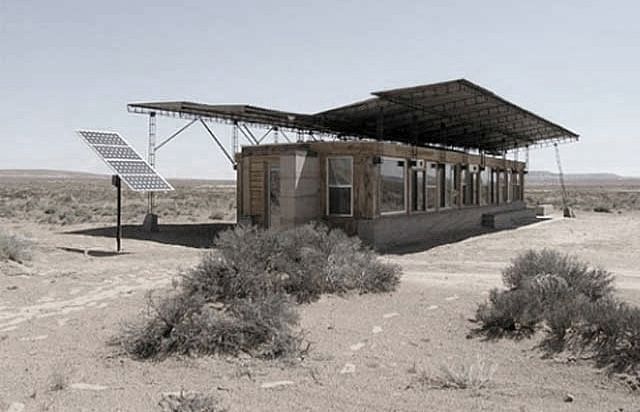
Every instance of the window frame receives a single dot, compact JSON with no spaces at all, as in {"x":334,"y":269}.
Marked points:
{"x":328,"y":187}
{"x":404,"y":187}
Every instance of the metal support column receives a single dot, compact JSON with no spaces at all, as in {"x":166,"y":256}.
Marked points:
{"x":151,"y":220}
{"x":115,"y":180}
{"x":151,"y":155}
{"x":275,"y":135}
{"x":234,"y":137}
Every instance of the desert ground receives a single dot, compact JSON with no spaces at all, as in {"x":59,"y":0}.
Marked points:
{"x":59,"y":311}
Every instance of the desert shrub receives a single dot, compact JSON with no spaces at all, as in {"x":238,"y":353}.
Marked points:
{"x":304,"y":262}
{"x":550,"y":269}
{"x":610,"y":330}
{"x":511,"y":312}
{"x":14,"y":247}
{"x":263,"y":326}
{"x":538,"y":284}
{"x":575,"y":303}
{"x":239,"y":297}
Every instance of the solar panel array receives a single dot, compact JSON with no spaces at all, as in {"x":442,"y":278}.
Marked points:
{"x":125,"y":161}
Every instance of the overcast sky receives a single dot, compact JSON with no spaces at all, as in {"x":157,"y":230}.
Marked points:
{"x":76,"y":64}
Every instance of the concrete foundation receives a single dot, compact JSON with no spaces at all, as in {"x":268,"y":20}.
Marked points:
{"x":391,"y":231}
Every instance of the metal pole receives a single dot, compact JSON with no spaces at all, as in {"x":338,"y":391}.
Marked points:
{"x":234,"y":138}
{"x":115,"y":180}
{"x":151,"y":155}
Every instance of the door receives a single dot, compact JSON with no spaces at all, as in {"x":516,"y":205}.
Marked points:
{"x":273,"y":202}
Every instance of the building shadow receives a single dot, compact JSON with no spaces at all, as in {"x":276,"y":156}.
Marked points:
{"x":452,"y":237}
{"x":200,"y":235}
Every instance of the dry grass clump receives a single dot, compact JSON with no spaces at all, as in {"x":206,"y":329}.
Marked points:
{"x":240,"y":297}
{"x":189,"y":402}
{"x":575,"y":304}
{"x":472,"y":375}
{"x":14,"y":247}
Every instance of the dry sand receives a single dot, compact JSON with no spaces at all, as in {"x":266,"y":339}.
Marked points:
{"x":58,"y":312}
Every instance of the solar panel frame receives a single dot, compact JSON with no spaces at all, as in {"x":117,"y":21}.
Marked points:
{"x":124,"y":160}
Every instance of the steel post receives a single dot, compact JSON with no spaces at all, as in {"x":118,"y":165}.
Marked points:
{"x":151,"y":155}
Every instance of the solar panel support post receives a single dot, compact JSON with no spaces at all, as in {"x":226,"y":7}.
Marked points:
{"x":115,"y":180}
{"x":151,"y":220}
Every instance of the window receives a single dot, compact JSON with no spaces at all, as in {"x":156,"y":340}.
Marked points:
{"x":339,"y":186}
{"x":432,"y":186}
{"x":447,"y":186}
{"x":418,"y":198}
{"x":507,"y":183}
{"x":485,"y":186}
{"x":442,"y":187}
{"x":466,"y":184}
{"x":503,"y":183}
{"x":495,"y":186}
{"x":475,"y":187}
{"x":452,"y":184}
{"x":392,"y":172}
{"x":516,"y":186}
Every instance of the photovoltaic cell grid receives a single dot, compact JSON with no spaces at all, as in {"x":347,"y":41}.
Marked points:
{"x":125,"y":161}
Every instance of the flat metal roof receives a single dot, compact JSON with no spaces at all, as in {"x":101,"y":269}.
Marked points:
{"x":456,"y":114}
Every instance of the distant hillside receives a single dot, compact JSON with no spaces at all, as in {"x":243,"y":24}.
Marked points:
{"x":48,"y":174}
{"x":67,"y":174}
{"x":543,"y":177}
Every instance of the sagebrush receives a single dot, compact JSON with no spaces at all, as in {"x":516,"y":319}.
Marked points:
{"x":574,"y":303}
{"x":14,"y":247}
{"x":240,"y":297}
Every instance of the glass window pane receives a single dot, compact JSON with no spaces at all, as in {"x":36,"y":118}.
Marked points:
{"x":339,"y":172}
{"x":417,"y":190}
{"x":432,"y":185}
{"x":393,"y":196}
{"x":450,"y":186}
{"x":339,"y":200}
{"x":442,"y":186}
{"x":484,"y":186}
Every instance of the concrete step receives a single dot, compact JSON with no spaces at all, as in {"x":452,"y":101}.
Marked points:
{"x":509,"y":218}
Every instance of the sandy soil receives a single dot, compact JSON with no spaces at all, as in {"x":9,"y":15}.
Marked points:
{"x":57,"y":314}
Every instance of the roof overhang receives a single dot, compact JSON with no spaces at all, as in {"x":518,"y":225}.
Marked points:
{"x":456,"y":114}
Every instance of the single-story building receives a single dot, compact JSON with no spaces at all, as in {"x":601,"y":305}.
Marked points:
{"x":387,"y":193}
{"x":402,"y":167}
